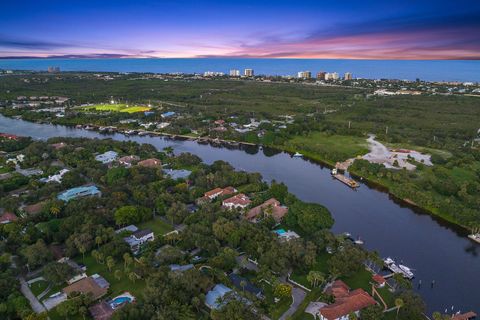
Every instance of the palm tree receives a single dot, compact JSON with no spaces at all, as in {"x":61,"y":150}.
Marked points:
{"x":243,"y":284}
{"x":126,"y":259}
{"x":117,"y":274}
{"x":98,"y":241}
{"x":55,"y":210}
{"x":132,"y":276}
{"x":110,"y":263}
{"x":95,"y":255}
{"x":398,"y":303}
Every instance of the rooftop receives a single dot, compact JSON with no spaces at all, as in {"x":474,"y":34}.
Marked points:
{"x":150,"y":163}
{"x":87,"y":285}
{"x":212,"y":297}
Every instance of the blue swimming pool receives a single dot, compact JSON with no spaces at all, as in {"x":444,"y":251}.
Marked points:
{"x":120,"y":300}
{"x":280,"y":231}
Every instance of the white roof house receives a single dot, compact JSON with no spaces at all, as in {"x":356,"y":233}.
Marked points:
{"x":107,"y":157}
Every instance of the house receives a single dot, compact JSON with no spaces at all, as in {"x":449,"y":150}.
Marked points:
{"x":139,"y":237}
{"x":181,"y":268}
{"x":346,"y":302}
{"x":58,"y":146}
{"x":245,"y":285}
{"x":178,"y":174}
{"x":56,"y":177}
{"x":219,"y":122}
{"x":128,"y":161}
{"x":8,"y":217}
{"x":79,"y":192}
{"x":217,"y":293}
{"x":107,"y":157}
{"x":286,"y":235}
{"x":95,"y":285}
{"x":212,"y":194}
{"x":379,"y":280}
{"x":33,"y":209}
{"x":239,"y":201}
{"x":168,"y":114}
{"x":270,"y":207}
{"x":9,"y":136}
{"x":150,"y":163}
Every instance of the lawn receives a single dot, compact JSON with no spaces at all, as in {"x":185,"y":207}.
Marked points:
{"x":38,"y":287}
{"x":328,"y":148}
{"x":275,"y":310}
{"x":320,"y":265}
{"x":117,"y":108}
{"x":116,"y":286}
{"x":158,"y":226}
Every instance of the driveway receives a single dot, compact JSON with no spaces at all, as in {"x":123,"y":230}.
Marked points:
{"x":298,"y":296}
{"x":36,"y":305}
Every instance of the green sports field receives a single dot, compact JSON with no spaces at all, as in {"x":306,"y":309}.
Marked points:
{"x":117,"y":108}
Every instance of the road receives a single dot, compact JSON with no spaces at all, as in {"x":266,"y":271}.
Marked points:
{"x":36,"y":305}
{"x":298,"y":296}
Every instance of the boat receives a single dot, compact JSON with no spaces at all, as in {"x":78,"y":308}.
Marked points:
{"x":475,"y":237}
{"x":334,"y":171}
{"x":358,"y":241}
{"x":298,"y":155}
{"x":406,"y":271}
{"x":388,"y":261}
{"x":349,"y":182}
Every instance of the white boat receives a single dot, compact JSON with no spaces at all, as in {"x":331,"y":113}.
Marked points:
{"x":298,"y":155}
{"x":388,"y":261}
{"x":334,"y":171}
{"x":406,"y":271}
{"x":475,"y":237}
{"x":358,"y":241}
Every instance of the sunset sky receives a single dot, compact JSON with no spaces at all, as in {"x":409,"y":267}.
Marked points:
{"x":408,"y":29}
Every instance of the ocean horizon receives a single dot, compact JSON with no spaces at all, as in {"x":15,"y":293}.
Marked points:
{"x":429,"y":70}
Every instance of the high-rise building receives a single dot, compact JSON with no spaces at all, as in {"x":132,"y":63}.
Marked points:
{"x":248,"y":73}
{"x":331,"y":76}
{"x":234,"y":73}
{"x":304,"y":74}
{"x":321,"y":75}
{"x":348,"y":76}
{"x":53,"y":69}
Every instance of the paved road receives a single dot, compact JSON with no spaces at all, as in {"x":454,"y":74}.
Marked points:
{"x":298,"y":296}
{"x":36,"y":305}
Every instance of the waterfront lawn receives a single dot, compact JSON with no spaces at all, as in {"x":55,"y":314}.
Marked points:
{"x":157,"y":225}
{"x":320,"y":265}
{"x":38,"y":287}
{"x":329,"y":148}
{"x":116,"y":286}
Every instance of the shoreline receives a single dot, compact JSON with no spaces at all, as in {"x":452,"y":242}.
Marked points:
{"x":306,"y":156}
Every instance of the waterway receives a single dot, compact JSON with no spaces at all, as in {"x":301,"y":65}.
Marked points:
{"x":435,"y":249}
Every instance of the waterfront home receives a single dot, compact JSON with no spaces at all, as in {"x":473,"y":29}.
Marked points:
{"x":95,"y":285}
{"x":79,"y":192}
{"x":214,"y":296}
{"x":286,"y":235}
{"x":239,"y":201}
{"x":244,"y":284}
{"x":150,"y":163}
{"x":346,"y":302}
{"x":379,"y":280}
{"x":138,"y":238}
{"x":8,"y":217}
{"x":107,"y":157}
{"x":128,"y":161}
{"x":271,"y":207}
{"x":212,"y":194}
{"x":9,"y":136}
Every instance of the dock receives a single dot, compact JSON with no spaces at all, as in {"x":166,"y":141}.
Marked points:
{"x":349,"y":182}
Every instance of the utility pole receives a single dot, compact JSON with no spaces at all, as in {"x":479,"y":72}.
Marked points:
{"x":386,"y":130}
{"x":349,"y":124}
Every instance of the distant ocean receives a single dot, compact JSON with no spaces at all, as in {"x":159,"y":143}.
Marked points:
{"x":431,"y":70}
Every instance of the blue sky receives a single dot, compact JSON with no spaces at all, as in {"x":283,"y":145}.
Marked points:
{"x":302,"y":29}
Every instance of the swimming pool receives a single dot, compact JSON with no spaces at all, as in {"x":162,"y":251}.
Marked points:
{"x":280,"y":231}
{"x":119,"y":300}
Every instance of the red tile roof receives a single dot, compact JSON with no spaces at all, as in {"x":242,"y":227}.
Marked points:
{"x":85,"y":286}
{"x":8,"y":217}
{"x":239,"y":200}
{"x":220,"y":192}
{"x":354,"y":301}
{"x":465,"y":316}
{"x":338,"y":289}
{"x":150,"y":163}
{"x":277,"y":211}
{"x":378,"y":279}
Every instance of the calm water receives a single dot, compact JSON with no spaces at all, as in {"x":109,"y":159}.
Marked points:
{"x":444,"y":70}
{"x":435,"y":250}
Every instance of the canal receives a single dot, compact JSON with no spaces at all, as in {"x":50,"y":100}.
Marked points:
{"x":434,"y":249}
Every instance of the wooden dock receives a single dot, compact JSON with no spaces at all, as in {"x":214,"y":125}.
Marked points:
{"x":349,"y":182}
